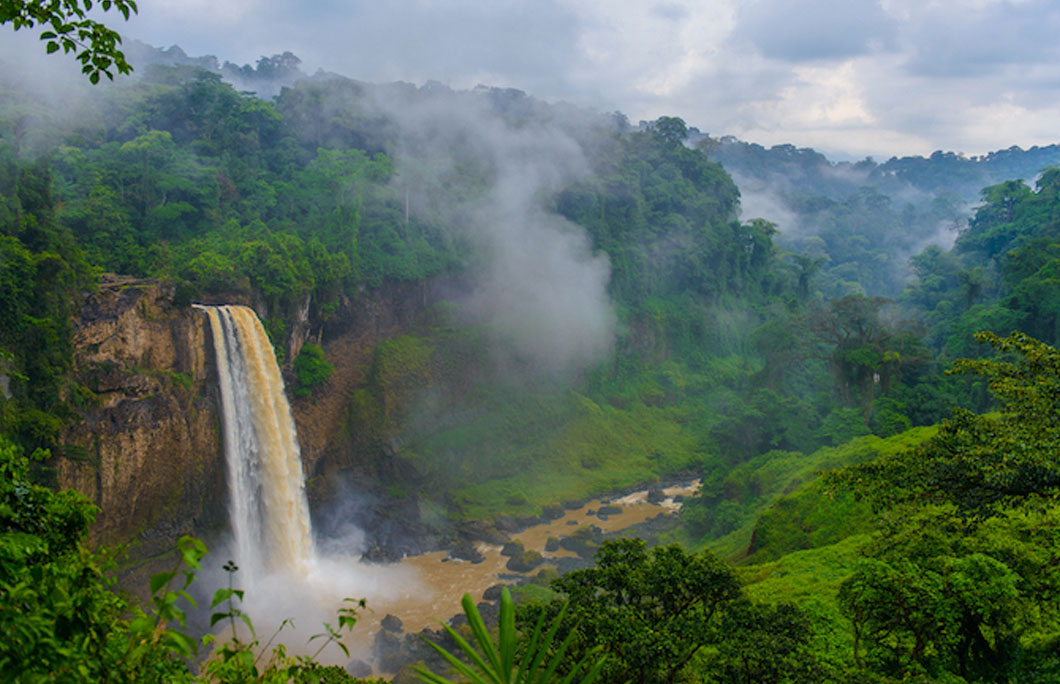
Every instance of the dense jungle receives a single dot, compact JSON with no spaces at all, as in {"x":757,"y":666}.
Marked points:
{"x":487,"y":309}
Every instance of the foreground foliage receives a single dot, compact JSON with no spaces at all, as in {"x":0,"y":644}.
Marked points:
{"x":69,"y":27}
{"x":62,"y":620}
{"x":538,"y":662}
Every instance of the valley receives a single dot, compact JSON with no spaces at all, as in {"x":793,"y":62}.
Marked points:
{"x":717,"y":411}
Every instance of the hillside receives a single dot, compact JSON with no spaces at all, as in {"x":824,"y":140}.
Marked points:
{"x":488,"y":307}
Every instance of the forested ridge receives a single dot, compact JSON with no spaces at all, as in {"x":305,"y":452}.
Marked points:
{"x":734,"y":351}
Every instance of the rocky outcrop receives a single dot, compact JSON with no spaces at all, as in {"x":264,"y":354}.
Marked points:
{"x":346,"y":469}
{"x":349,"y":339}
{"x":147,"y":450}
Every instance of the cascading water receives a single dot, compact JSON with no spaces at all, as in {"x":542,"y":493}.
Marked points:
{"x":268,"y":507}
{"x":273,"y":540}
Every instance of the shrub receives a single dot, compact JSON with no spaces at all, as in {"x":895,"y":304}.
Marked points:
{"x":311,"y":370}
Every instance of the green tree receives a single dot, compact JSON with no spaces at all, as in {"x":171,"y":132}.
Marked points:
{"x":764,"y":644}
{"x":662,"y":614}
{"x":70,"y":28}
{"x":865,"y":353}
{"x":961,"y":580}
{"x":59,"y":618}
{"x":981,"y":462}
{"x":670,"y":129}
{"x":915,"y":616}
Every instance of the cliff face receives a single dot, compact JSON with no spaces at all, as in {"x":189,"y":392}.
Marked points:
{"x":348,"y":340}
{"x":345,"y":474}
{"x":150,"y":449}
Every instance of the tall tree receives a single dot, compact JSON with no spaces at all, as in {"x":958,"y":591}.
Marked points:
{"x":977,"y":462}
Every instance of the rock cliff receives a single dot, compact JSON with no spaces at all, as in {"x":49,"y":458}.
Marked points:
{"x":148,"y":453}
{"x":149,"y":450}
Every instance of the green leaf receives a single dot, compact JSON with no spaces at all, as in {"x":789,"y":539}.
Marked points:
{"x":221,"y":595}
{"x":478,"y":627}
{"x":160,"y":580}
{"x":507,"y":634}
{"x":181,"y":642}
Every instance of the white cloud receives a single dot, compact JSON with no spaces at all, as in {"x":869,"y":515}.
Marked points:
{"x":874,"y":77}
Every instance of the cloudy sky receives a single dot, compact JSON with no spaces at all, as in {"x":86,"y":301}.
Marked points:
{"x":851,"y":77}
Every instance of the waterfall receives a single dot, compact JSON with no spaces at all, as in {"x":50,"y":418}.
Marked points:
{"x":267,"y":503}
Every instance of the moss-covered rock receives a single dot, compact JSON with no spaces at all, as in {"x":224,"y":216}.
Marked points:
{"x":513,"y":549}
{"x":525,"y":561}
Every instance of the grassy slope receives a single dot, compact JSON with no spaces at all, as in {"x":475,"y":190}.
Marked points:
{"x":810,"y":579}
{"x":532,"y":458}
{"x":778,"y":505}
{"x":806,"y":542}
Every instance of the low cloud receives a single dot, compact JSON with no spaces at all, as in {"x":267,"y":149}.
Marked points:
{"x":537,"y":284}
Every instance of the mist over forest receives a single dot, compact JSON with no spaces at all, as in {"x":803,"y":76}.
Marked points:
{"x":488,"y":310}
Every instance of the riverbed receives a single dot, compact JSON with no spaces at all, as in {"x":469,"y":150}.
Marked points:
{"x":441,"y":580}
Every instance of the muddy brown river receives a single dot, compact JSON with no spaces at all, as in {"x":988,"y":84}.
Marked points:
{"x":443,"y":581}
{"x":422,"y":591}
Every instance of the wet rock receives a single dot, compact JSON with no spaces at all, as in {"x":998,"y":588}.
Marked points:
{"x":650,"y":530}
{"x":656,"y":496}
{"x":552,"y":544}
{"x":493,"y":593}
{"x":389,"y":651}
{"x":506,"y":523}
{"x":570,"y":563}
{"x":573,"y":505}
{"x":512,"y":548}
{"x":466,"y":550}
{"x":381,"y":554}
{"x":526,"y":521}
{"x":406,"y":675}
{"x":573,"y":522}
{"x":483,"y":531}
{"x":392,"y":623}
{"x":552,"y":512}
{"x":583,"y":541}
{"x":609,"y":510}
{"x":544,"y":576}
{"x":525,"y":562}
{"x":679,"y":498}
{"x":359,"y":669}
{"x":490,"y":612}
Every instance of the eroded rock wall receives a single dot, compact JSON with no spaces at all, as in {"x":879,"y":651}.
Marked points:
{"x":149,"y":450}
{"x":150,"y":453}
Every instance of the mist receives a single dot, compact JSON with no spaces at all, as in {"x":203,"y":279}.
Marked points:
{"x":536,"y":283}
{"x":292,"y":607}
